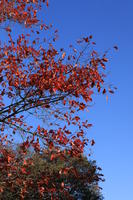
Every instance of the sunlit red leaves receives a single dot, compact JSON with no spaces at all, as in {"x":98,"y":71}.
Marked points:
{"x":20,"y":11}
{"x":38,"y":128}
{"x":80,"y":134}
{"x":87,"y":39}
{"x":52,"y":157}
{"x":35,"y":79}
{"x":75,"y":83}
{"x":77,"y":118}
{"x":36,"y":145}
{"x":103,"y":65}
{"x":23,"y":170}
{"x":86,"y":124}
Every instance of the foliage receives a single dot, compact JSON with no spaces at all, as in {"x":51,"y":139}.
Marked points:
{"x":43,"y":82}
{"x":79,"y":176}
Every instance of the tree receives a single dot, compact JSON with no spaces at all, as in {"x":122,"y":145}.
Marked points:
{"x":79,"y":175}
{"x":38,"y":80}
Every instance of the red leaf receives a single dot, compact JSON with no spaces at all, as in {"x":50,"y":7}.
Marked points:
{"x":105,"y":60}
{"x":52,"y":157}
{"x":86,"y":39}
{"x":104,"y":91}
{"x":77,"y":118}
{"x":38,"y":128}
{"x":8,"y":29}
{"x":47,"y":3}
{"x":92,"y":142}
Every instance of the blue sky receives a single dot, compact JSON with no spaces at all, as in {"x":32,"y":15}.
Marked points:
{"x":110,"y":23}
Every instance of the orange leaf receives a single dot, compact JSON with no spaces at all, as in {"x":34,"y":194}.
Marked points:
{"x":63,"y":55}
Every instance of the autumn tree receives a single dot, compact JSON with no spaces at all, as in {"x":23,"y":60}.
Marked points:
{"x":79,"y":175}
{"x":38,"y":81}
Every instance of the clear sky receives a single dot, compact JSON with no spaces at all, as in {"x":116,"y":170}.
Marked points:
{"x":110,"y":22}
